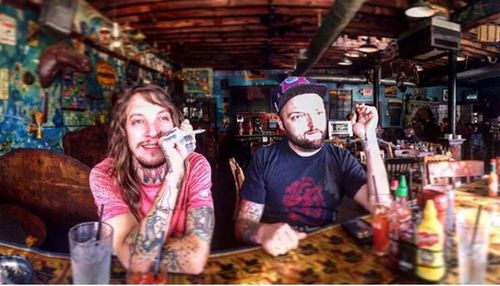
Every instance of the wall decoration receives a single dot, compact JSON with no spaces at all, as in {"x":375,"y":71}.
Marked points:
{"x":445,"y":95}
{"x":106,"y":74}
{"x":340,"y":103}
{"x":256,"y":76}
{"x":390,"y":90}
{"x":198,"y":80}
{"x":56,"y":57}
{"x":33,"y":34}
{"x":367,"y":91}
{"x":73,"y":91}
{"x":4,"y":83}
{"x":8,"y":27}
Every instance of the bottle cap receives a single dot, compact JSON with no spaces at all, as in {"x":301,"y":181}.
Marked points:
{"x":430,"y":210}
{"x":394,"y":184}
{"x":402,"y":190}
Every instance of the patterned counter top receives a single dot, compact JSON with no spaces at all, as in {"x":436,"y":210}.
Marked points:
{"x":328,"y":256}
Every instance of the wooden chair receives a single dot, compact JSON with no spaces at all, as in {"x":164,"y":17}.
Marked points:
{"x":399,"y":166}
{"x":429,"y":159}
{"x":455,"y":172}
{"x":404,"y":166}
{"x":389,"y":151}
{"x":88,"y":145}
{"x":52,"y":186}
{"x":239,"y":177}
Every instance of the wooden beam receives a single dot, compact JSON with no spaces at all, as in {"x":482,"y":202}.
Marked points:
{"x":471,"y":14}
{"x":340,"y":14}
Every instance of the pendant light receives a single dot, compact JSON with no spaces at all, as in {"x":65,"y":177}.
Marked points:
{"x":461,"y":57}
{"x":419,"y":9}
{"x":368,"y":47}
{"x":345,"y":62}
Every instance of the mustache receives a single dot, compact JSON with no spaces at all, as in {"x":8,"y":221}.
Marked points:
{"x":314,"y":131}
{"x":147,"y":142}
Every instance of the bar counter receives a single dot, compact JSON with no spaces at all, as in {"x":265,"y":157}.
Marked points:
{"x":328,"y":256}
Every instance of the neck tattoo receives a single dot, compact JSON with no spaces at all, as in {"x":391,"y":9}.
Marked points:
{"x":153,"y":175}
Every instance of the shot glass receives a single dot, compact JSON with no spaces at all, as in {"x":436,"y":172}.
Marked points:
{"x":91,"y":253}
{"x":472,"y":240}
{"x":146,"y":271}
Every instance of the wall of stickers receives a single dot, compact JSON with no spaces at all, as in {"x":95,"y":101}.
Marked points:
{"x":62,"y":100}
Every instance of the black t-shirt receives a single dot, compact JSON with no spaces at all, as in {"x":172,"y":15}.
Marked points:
{"x":301,"y":191}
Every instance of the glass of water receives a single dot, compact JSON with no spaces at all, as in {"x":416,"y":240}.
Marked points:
{"x":472,"y":238}
{"x":91,"y":253}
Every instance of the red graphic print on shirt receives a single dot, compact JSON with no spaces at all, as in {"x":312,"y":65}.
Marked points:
{"x":304,"y":197}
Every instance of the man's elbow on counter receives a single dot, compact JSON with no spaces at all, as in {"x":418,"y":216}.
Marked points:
{"x":197,"y":265}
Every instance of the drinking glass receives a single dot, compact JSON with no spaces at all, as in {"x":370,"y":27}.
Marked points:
{"x":91,"y":253}
{"x":472,"y":240}
{"x":495,"y":224}
{"x":380,"y":228}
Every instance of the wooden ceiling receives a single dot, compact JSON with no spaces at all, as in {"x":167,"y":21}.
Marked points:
{"x":274,"y":34}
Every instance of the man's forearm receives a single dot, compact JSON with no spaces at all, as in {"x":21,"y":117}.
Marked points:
{"x":190,"y":253}
{"x":375,"y":168}
{"x":152,"y":230}
{"x":248,"y":230}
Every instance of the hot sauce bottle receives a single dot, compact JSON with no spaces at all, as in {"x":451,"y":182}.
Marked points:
{"x":430,"y":243}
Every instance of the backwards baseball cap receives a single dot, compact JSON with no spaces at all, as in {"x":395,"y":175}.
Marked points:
{"x":296,"y":85}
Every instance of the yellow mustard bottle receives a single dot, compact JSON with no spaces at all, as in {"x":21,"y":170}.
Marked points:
{"x":430,"y":243}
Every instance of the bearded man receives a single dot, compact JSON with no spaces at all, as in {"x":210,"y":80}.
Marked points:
{"x":296,"y":185}
{"x":154,"y":192}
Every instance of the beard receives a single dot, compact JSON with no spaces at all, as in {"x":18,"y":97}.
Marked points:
{"x":306,"y":144}
{"x":151,"y":162}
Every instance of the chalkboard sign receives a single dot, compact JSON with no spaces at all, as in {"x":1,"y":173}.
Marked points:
{"x":340,"y":103}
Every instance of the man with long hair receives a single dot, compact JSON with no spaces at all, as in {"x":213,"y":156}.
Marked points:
{"x":296,"y":185}
{"x":154,"y":193}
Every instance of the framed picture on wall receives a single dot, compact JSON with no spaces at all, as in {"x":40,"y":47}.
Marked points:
{"x":445,"y":94}
{"x":339,"y":128}
{"x":390,"y":90}
{"x":198,"y":80}
{"x":340,"y":103}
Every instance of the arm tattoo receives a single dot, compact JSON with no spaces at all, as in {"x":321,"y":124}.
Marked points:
{"x":200,"y":222}
{"x":163,"y":201}
{"x":153,"y":233}
{"x":131,"y":239}
{"x":249,"y":217}
{"x":171,"y":259}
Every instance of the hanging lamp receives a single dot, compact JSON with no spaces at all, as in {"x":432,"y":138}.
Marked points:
{"x":420,"y":9}
{"x":368,"y":47}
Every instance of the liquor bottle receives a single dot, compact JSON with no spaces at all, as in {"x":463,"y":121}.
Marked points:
{"x":430,"y":244}
{"x":493,"y":179}
{"x":400,"y":228}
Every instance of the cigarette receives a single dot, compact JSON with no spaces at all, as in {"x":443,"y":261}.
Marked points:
{"x":197,"y":131}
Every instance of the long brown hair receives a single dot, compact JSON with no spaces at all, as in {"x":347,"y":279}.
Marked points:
{"x":122,"y":169}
